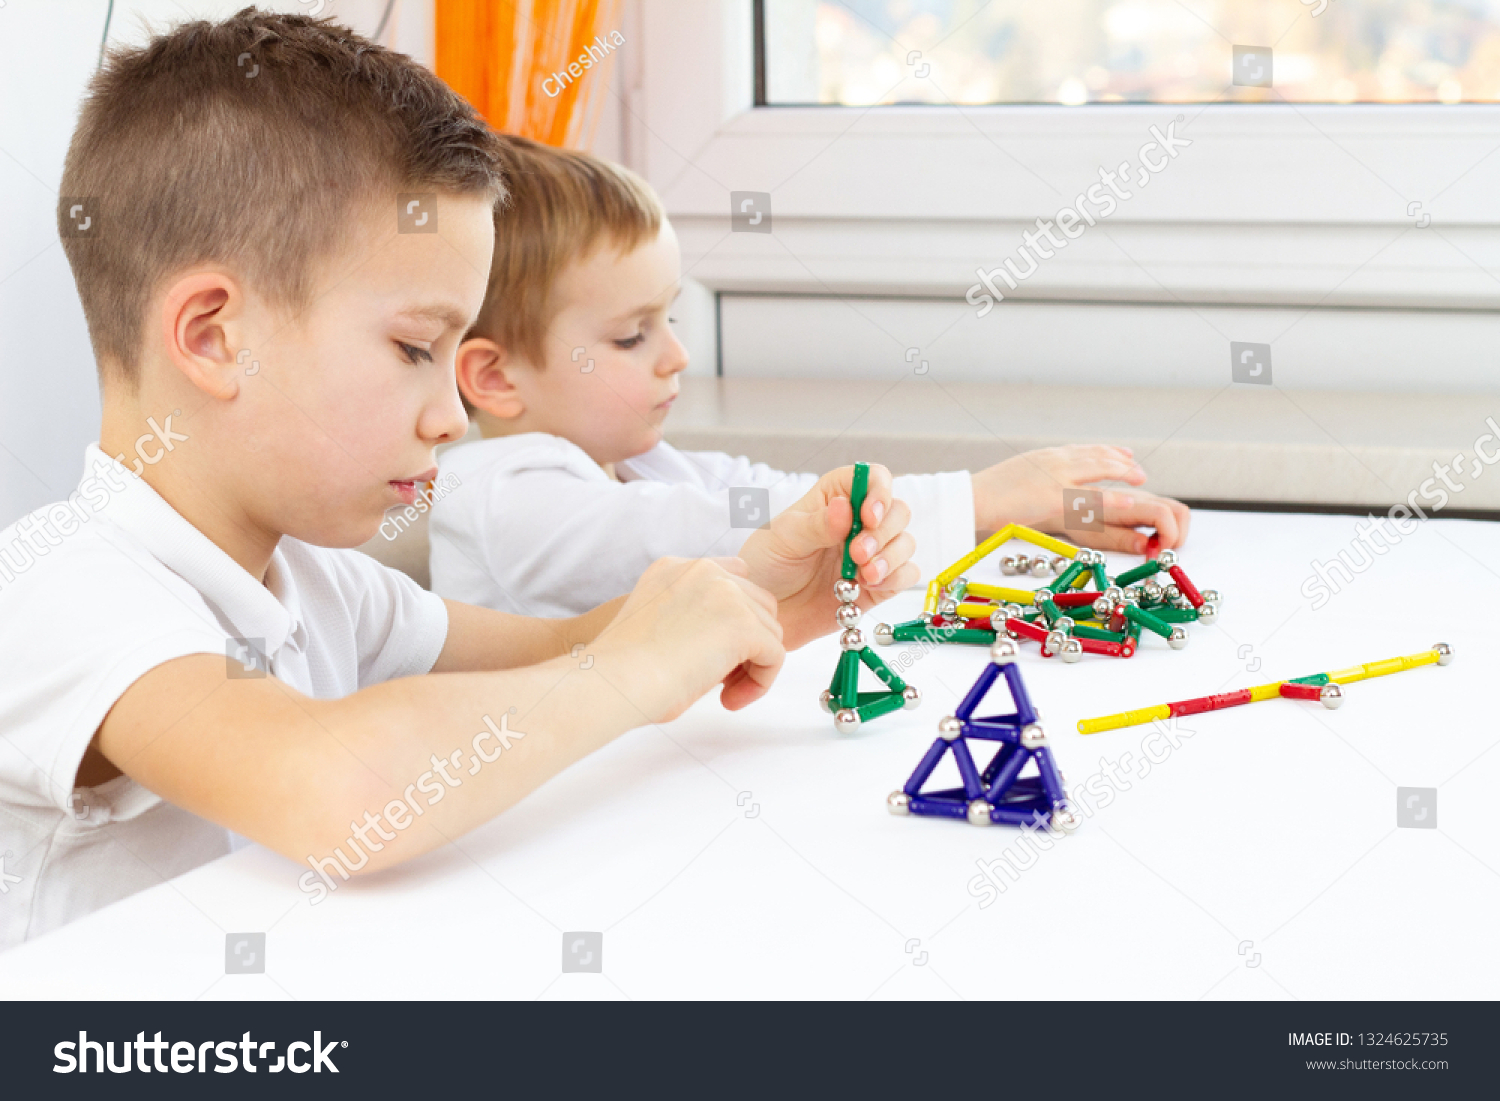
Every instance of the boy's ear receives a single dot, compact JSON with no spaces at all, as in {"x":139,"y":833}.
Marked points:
{"x":202,"y":317}
{"x":483,"y":369}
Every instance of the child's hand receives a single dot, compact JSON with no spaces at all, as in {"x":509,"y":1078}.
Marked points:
{"x":688,"y":624}
{"x":1028,"y":489}
{"x":799,"y":556}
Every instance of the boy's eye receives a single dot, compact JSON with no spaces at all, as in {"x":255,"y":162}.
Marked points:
{"x":630,"y":342}
{"x":413,"y":354}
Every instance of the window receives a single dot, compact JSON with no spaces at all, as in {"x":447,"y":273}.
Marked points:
{"x":862,"y":52}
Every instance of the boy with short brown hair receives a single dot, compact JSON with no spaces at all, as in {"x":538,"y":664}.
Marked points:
{"x":280,"y":233}
{"x":571,"y":371}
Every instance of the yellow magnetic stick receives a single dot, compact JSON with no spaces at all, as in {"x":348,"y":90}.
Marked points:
{"x":955,"y":570}
{"x":1046,"y":542}
{"x":1000,"y":592}
{"x":1124,"y":718}
{"x":934,"y":588}
{"x":1383,"y":668}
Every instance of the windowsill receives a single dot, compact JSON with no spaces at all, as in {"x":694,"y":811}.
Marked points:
{"x":1241,"y":443}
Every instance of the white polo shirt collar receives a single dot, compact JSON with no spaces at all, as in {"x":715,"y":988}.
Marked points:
{"x":270,"y":611}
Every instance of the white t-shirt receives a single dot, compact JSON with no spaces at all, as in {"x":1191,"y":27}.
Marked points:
{"x":98,"y":591}
{"x":535,"y":527}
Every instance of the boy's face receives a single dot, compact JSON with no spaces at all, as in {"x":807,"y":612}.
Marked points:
{"x":339,"y":420}
{"x":611,"y":357}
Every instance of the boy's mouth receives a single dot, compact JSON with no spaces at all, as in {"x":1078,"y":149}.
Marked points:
{"x":407,"y":488}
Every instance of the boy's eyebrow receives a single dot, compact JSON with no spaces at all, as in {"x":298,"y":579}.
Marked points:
{"x":676,"y":293}
{"x":451,"y":316}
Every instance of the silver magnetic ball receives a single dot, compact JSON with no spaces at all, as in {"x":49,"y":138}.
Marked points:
{"x":1171,"y":592}
{"x":1013,"y":609}
{"x":884,"y":635}
{"x":1132,"y":595}
{"x":898,"y":802}
{"x":1071,"y":651}
{"x":979,"y":813}
{"x":1102,"y":607}
{"x":846,"y":719}
{"x":1151,"y":591}
{"x":1178,"y":638}
{"x":1211,"y":596}
{"x":1032,"y":735}
{"x":1444,"y":652}
{"x":1332,"y":697}
{"x":1114,"y":594}
{"x":825,"y":698}
{"x":1065,"y":624}
{"x":1059,"y":564}
{"x":1040,"y":567}
{"x":852,"y":639}
{"x":910,"y":696}
{"x":1063,"y":818}
{"x":1008,"y":565}
{"x":1054,"y":641}
{"x":997,"y":619}
{"x":950,"y":727}
{"x":1208,"y":613}
{"x":848,"y":615}
{"x":959,"y":584}
{"x":845,"y":591}
{"x":1003,"y":651}
{"x":926,"y":618}
{"x":1166,"y":559}
{"x":1023,"y":564}
{"x":947,"y":608}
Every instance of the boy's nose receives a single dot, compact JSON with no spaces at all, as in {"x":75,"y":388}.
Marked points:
{"x":444,"y":419}
{"x":674,"y":358}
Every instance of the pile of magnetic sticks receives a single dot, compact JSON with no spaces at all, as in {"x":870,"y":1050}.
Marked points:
{"x":1066,"y":617}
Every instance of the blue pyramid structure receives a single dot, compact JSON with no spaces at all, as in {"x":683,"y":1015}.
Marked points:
{"x":997,"y":794}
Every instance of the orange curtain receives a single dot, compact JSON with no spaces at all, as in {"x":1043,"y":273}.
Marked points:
{"x":503,"y":56}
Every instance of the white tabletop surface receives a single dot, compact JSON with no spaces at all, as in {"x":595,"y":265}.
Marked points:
{"x":1273,"y":824}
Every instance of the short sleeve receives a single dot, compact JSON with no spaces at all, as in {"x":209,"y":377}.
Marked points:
{"x":399,"y":627}
{"x":77,"y":629}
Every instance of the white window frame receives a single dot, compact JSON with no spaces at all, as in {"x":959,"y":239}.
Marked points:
{"x":1385,"y":206}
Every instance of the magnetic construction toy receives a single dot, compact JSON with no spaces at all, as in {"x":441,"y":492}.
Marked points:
{"x":1064,"y":616}
{"x":842,"y":697}
{"x":999,"y":794}
{"x":1321,"y":687}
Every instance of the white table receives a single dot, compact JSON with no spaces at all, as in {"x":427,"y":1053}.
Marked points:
{"x":1260,"y":859}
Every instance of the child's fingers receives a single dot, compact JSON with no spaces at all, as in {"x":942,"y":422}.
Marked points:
{"x":1097,"y":463}
{"x":873,"y":540}
{"x":899,"y":581}
{"x":751,"y":680}
{"x":877,"y":504}
{"x":1143,"y":510}
{"x":1184,"y":516}
{"x":1116,"y":538}
{"x":891,"y":558}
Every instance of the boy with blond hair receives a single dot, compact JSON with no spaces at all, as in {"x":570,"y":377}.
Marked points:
{"x":281,"y":262}
{"x":571,"y":371}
